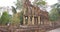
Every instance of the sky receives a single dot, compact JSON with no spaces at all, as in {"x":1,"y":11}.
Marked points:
{"x":7,"y":3}
{"x":10,"y":2}
{"x":51,"y":2}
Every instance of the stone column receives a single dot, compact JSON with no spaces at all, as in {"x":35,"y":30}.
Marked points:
{"x":38,"y":20}
{"x":33,"y":20}
{"x":24,"y":11}
{"x":29,"y":22}
{"x":23,"y":20}
{"x":33,"y":11}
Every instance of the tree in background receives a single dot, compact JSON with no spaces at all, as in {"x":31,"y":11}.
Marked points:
{"x":5,"y":18}
{"x":54,"y":15}
{"x":14,"y":10}
{"x":15,"y":19}
{"x":40,"y":3}
{"x":55,"y":12}
{"x":19,"y":4}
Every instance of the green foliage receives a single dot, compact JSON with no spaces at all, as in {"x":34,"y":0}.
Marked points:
{"x":41,"y":3}
{"x":4,"y":18}
{"x":55,"y":12}
{"x":57,"y":6}
{"x":19,"y":4}
{"x":14,"y":10}
{"x":21,"y":17}
{"x":15,"y":20}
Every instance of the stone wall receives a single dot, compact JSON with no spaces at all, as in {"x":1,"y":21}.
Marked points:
{"x":22,"y":28}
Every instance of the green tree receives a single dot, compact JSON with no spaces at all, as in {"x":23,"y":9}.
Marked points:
{"x":40,"y":3}
{"x":4,"y":18}
{"x":19,"y":4}
{"x":55,"y":12}
{"x":14,"y":10}
{"x":15,"y":20}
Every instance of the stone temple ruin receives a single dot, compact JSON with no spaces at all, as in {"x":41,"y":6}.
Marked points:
{"x":33,"y":15}
{"x":34,"y":19}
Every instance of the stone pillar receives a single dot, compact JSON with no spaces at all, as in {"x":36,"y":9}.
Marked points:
{"x":33,"y":20}
{"x":23,"y":20}
{"x":24,"y":11}
{"x":29,"y":22}
{"x":38,"y":20}
{"x":33,"y":11}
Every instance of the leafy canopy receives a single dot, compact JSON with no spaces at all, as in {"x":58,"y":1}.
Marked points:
{"x":5,"y":18}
